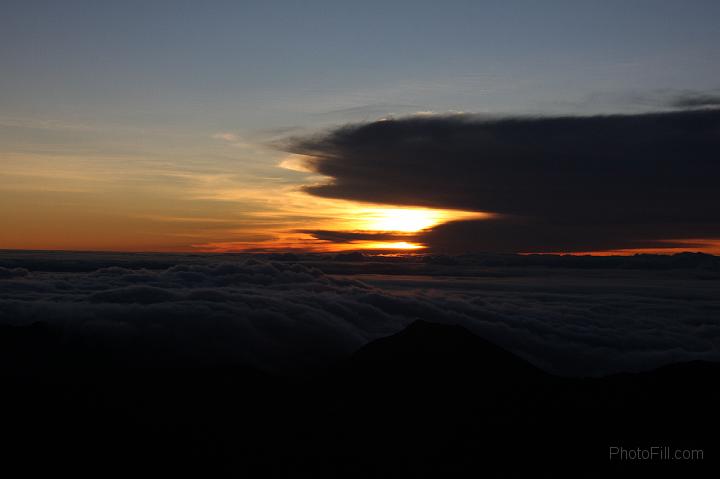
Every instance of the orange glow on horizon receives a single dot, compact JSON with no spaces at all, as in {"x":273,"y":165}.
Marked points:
{"x":701,"y":245}
{"x":307,"y":245}
{"x":64,"y":201}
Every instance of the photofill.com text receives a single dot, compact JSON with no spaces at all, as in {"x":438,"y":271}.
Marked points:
{"x":655,"y":453}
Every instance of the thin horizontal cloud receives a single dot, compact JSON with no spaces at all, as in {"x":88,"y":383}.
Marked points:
{"x":696,"y":100}
{"x":226,"y":136}
{"x":352,"y":236}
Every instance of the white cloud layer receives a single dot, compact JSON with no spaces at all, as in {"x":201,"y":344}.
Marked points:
{"x":290,"y":314}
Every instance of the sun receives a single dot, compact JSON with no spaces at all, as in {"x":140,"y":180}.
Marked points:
{"x":402,"y":221}
{"x":406,"y":220}
{"x":376,"y":226}
{"x":402,"y":245}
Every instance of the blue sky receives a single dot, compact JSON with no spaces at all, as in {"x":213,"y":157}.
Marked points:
{"x":240,"y":64}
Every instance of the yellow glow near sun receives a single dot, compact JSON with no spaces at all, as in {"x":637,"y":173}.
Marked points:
{"x":351,"y":216}
{"x":392,"y":245}
{"x":406,"y":220}
{"x":289,"y":216}
{"x":400,"y":219}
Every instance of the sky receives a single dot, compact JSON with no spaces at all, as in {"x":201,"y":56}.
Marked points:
{"x":205,"y":126}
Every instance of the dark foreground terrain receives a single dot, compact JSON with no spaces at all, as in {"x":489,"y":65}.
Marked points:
{"x":430,"y":401}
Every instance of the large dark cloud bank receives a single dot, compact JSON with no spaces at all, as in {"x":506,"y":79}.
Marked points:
{"x":567,"y":183}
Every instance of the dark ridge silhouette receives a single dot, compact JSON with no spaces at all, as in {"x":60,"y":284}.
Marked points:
{"x":430,"y":401}
{"x":439,"y":353}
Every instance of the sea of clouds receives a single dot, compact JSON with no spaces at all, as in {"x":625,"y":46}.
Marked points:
{"x":288,"y":313}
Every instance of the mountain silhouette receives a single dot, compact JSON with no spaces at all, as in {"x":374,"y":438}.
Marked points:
{"x":433,"y":400}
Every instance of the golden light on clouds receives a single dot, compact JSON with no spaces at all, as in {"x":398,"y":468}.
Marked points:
{"x":296,"y":162}
{"x":406,"y":220}
{"x":63,"y":201}
{"x":403,"y":245}
{"x":291,"y":214}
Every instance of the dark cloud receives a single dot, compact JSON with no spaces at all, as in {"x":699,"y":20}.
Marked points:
{"x":350,"y":236}
{"x":12,"y":272}
{"x":570,"y":315}
{"x":696,"y":100}
{"x":574,"y":183}
{"x":512,"y":234}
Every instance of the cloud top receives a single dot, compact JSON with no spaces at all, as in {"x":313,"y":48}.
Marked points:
{"x":568,"y":315}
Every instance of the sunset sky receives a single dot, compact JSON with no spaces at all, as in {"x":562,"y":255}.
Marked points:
{"x":330,"y":125}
